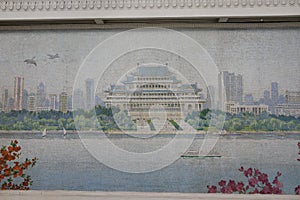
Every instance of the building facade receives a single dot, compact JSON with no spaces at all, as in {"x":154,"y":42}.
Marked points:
{"x":78,"y":102}
{"x":41,"y":95}
{"x":234,"y":108}
{"x":210,"y":97}
{"x":53,"y":102}
{"x":230,"y":88}
{"x":63,"y":102}
{"x":154,"y":87}
{"x":274,"y":92}
{"x":18,"y":92}
{"x":89,"y":94}
{"x":31,"y":103}
{"x":292,"y":97}
{"x":292,"y":105}
{"x":5,"y":98}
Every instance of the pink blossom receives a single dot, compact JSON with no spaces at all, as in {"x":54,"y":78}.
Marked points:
{"x":263,"y":178}
{"x":256,"y":172}
{"x":278,"y":174}
{"x":212,"y":189}
{"x":241,"y":169}
{"x":255,"y":191}
{"x":248,"y":172}
{"x":266,"y":190}
{"x":297,"y":189}
{"x":253,"y":182}
{"x":240,"y":186}
{"x":222,"y":183}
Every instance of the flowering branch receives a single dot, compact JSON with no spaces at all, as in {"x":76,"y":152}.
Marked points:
{"x":258,"y":183}
{"x":12,"y":171}
{"x":297,"y":189}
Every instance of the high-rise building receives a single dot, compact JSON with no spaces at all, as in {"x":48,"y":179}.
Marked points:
{"x":41,"y":95}
{"x":25,"y":99}
{"x":5,"y":99}
{"x":248,"y":99}
{"x":89,"y":94}
{"x":211,"y":98}
{"x":230,"y":88}
{"x":18,"y":92}
{"x":31,"y":104}
{"x":274,"y":92}
{"x":266,"y":94}
{"x":281,"y":99}
{"x":53,"y":102}
{"x":63,"y":102}
{"x":78,"y":99}
{"x":70,"y":103}
{"x":11,"y":104}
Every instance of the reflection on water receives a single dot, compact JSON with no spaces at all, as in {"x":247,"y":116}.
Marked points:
{"x":65,"y":164}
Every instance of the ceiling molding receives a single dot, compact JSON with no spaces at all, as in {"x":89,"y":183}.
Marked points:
{"x":21,"y":10}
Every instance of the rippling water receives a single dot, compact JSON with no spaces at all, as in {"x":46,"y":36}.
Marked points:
{"x":65,"y":164}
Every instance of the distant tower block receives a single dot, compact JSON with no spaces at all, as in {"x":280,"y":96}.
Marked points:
{"x":230,"y":88}
{"x":89,"y":92}
{"x":274,"y":92}
{"x":78,"y":99}
{"x":63,"y":102}
{"x":5,"y":98}
{"x":53,"y":101}
{"x":31,"y":106}
{"x":41,"y":95}
{"x":18,"y":92}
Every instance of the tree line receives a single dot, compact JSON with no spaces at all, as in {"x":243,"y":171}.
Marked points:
{"x":102,"y":118}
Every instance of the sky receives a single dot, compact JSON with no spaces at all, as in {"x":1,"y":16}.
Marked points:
{"x":261,"y":56}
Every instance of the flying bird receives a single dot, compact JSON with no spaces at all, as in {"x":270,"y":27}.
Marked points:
{"x":53,"y":56}
{"x":30,"y":61}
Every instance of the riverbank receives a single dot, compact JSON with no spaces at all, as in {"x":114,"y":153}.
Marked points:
{"x":149,"y":132}
{"x":78,"y":195}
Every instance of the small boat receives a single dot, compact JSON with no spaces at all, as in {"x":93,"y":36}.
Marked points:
{"x":198,"y":156}
{"x":44,"y":133}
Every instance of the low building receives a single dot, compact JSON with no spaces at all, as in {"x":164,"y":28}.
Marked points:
{"x":288,"y":109}
{"x":292,"y":97}
{"x":44,"y":108}
{"x":234,"y":108}
{"x":292,"y":105}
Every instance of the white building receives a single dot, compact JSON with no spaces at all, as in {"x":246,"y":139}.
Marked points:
{"x":153,"y":86}
{"x":292,"y":105}
{"x":234,"y":108}
{"x":31,"y":103}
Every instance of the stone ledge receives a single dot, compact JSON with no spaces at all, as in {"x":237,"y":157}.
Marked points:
{"x":78,"y":195}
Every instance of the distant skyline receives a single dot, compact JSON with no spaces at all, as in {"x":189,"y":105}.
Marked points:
{"x":260,"y":56}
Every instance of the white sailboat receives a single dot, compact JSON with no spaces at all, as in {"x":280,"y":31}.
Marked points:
{"x":44,"y":133}
{"x":65,"y":132}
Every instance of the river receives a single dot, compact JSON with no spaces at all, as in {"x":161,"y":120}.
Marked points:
{"x":64,"y":163}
